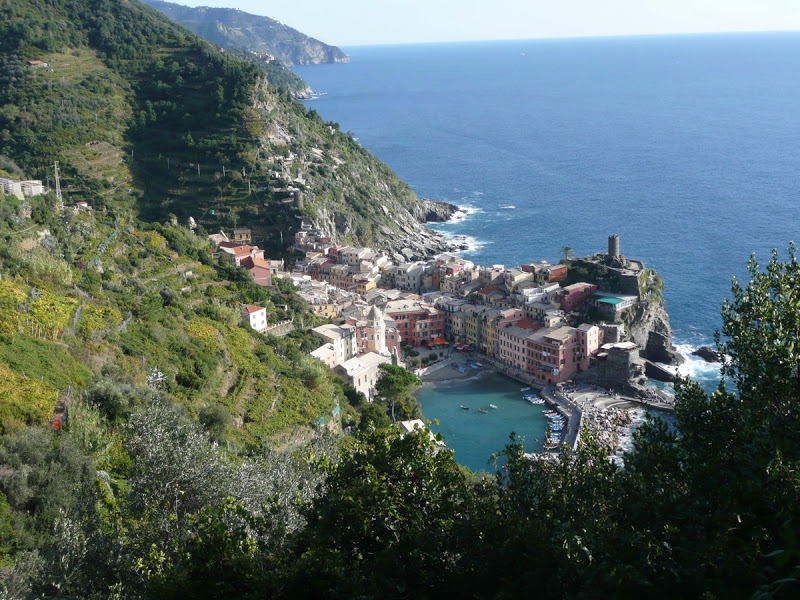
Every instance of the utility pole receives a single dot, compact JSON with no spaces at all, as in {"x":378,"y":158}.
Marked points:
{"x":60,"y":206}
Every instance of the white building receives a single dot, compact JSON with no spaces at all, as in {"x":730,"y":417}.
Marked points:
{"x":11,"y":186}
{"x":343,"y":339}
{"x":362,"y":372}
{"x":32,"y":187}
{"x":255,"y":316}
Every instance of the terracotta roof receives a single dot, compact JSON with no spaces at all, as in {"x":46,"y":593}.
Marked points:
{"x":528,"y":323}
{"x":258,"y":262}
{"x":249,"y":309}
{"x":485,"y":291}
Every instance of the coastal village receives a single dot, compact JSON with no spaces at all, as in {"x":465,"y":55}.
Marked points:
{"x":429,"y":315}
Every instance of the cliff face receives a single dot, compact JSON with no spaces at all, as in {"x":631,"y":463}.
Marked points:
{"x":647,"y":324}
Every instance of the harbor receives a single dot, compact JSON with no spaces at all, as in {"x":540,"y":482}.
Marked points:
{"x":461,"y":392}
{"x":478,"y":431}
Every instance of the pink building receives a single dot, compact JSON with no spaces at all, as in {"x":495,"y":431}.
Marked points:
{"x":554,"y":355}
{"x":418,"y":322}
{"x":261,"y":270}
{"x":235,"y":253}
{"x":572,"y":296}
{"x":589,"y":338}
{"x":511,"y":346}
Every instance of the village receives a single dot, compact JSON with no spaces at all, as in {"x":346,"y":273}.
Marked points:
{"x":418,"y":312}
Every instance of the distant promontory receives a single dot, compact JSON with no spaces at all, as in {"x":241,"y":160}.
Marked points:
{"x":237,"y":30}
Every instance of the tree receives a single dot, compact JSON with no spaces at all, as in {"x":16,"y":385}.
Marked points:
{"x":567,"y":252}
{"x":387,"y":522}
{"x":396,"y":386}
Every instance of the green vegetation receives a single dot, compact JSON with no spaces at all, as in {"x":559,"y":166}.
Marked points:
{"x":197,"y":458}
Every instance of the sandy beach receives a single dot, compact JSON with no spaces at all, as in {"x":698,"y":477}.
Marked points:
{"x":444,"y":370}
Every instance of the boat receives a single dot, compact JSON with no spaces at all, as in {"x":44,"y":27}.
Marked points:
{"x":494,"y":406}
{"x":472,"y":365}
{"x":464,"y":407}
{"x":529,"y":396}
{"x":483,"y":410}
{"x":525,"y":389}
{"x":461,"y":369}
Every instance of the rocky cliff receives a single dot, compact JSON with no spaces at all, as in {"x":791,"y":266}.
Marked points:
{"x":647,"y":324}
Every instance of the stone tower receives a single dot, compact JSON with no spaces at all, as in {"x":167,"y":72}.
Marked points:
{"x":613,"y":246}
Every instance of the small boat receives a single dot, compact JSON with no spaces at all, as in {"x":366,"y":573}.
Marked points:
{"x":472,"y":365}
{"x":461,"y":368}
{"x":525,"y":389}
{"x":464,"y":407}
{"x":529,"y":396}
{"x":494,"y":406}
{"x":483,"y":410}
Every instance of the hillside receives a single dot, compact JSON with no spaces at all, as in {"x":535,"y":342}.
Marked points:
{"x":144,"y":115}
{"x":234,"y":29}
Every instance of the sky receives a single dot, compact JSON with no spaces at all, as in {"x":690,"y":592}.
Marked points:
{"x":359,"y":22}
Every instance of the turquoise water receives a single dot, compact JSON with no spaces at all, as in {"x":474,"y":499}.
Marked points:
{"x":475,"y":436}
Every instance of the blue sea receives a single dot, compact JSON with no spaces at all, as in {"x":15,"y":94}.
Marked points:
{"x":687,"y":146}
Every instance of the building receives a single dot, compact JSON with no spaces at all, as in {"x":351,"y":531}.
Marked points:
{"x":325,"y":354}
{"x":612,"y":304}
{"x":362,"y":372}
{"x":242,"y":236}
{"x":408,"y":276}
{"x":554,"y":355}
{"x":511,"y":346}
{"x":38,"y":64}
{"x":12,"y":187}
{"x":260,"y":269}
{"x":589,"y":337}
{"x":573,"y":296}
{"x":418,"y":322}
{"x":544,"y":272}
{"x":370,"y":332}
{"x":255,"y":316}
{"x":32,"y":187}
{"x":235,"y":253}
{"x":341,"y":337}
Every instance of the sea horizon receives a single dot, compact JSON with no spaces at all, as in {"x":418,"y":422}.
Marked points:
{"x":344,"y":47}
